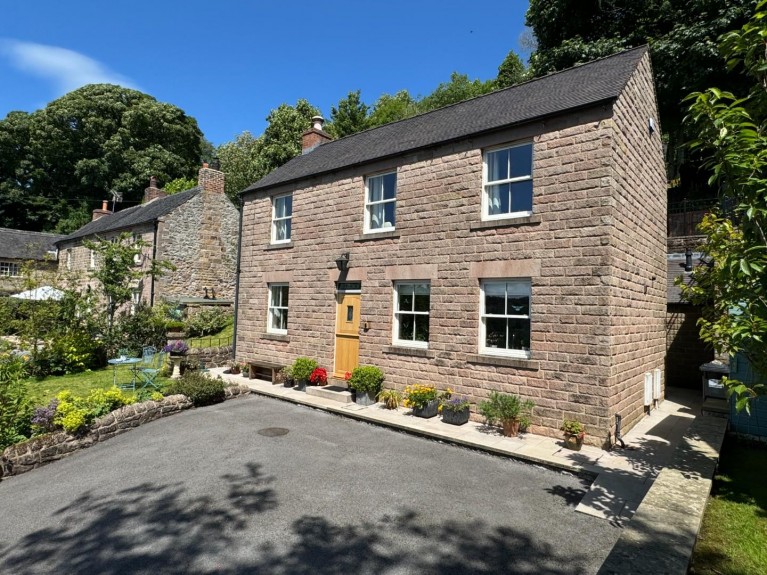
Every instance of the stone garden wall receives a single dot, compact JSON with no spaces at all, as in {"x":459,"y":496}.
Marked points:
{"x":211,"y":356}
{"x":39,"y":451}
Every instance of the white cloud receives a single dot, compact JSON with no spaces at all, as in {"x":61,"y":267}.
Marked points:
{"x":67,"y":69}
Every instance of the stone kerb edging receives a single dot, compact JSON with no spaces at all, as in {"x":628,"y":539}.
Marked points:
{"x":39,"y":451}
{"x":661,"y":535}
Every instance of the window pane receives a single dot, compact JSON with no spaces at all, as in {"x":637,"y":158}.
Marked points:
{"x":405,"y":292}
{"x":375,"y":186}
{"x":376,"y":216}
{"x":280,"y":230}
{"x":275,"y":296}
{"x":279,"y":318}
{"x":497,"y":165}
{"x":498,"y":199}
{"x":521,"y":158}
{"x":284,"y":295}
{"x":495,"y":294}
{"x":288,"y":205}
{"x":518,"y":305}
{"x":522,"y":196}
{"x":349,"y":313}
{"x":279,"y":207}
{"x":288,"y":226}
{"x":495,"y":332}
{"x":389,"y":186}
{"x":406,"y":326}
{"x":422,"y":328}
{"x":519,"y":334}
{"x":389,"y":214}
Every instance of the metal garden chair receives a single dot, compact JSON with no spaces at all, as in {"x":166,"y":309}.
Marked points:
{"x":150,"y":367}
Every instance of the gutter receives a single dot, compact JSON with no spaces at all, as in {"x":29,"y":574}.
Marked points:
{"x":237,"y":279}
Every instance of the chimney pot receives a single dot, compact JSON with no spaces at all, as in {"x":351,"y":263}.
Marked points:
{"x":211,"y":179}
{"x":318,"y":122}
{"x":104,"y":204}
{"x":153,"y":191}
{"x":688,"y":260}
{"x":314,"y":136}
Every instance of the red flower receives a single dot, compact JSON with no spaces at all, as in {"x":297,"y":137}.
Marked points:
{"x":318,"y":377}
{"x":347,"y":375}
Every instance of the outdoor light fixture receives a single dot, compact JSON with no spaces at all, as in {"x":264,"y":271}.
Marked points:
{"x":342,"y":263}
{"x":688,"y":260}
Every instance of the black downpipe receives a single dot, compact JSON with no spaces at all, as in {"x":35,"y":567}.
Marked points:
{"x":237,"y":280}
{"x":618,"y":420}
{"x":154,"y":257}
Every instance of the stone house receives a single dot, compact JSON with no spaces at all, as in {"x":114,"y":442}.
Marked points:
{"x":19,"y":248}
{"x":195,"y":230}
{"x":512,"y":242}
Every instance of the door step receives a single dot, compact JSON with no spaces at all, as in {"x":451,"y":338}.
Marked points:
{"x":332,"y":392}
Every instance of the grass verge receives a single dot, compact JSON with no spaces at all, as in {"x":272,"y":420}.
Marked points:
{"x":733,"y":536}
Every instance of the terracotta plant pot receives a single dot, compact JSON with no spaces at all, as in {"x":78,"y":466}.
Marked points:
{"x":573,"y":442}
{"x":510,"y":427}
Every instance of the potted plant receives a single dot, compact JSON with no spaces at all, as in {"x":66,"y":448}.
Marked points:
{"x":234,"y":369}
{"x":319,"y":376}
{"x":366,"y":381}
{"x":302,"y":370}
{"x":574,"y":434}
{"x":422,"y":399}
{"x":245,"y":369}
{"x":455,"y":410}
{"x":176,"y":348}
{"x":508,"y":410}
{"x":285,"y":376}
{"x":391,"y":398}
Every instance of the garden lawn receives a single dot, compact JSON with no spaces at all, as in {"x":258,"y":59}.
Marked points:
{"x":80,"y":384}
{"x":224,"y":337}
{"x":733,"y":537}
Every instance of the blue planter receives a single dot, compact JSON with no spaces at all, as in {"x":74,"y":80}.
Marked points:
{"x":455,"y":417}
{"x":429,"y":411}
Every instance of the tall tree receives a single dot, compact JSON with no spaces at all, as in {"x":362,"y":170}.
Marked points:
{"x":459,"y":88}
{"x":94,"y":140}
{"x":511,"y":71}
{"x":282,"y":137}
{"x":732,"y":135}
{"x":242,"y":163}
{"x":390,"y":108}
{"x":350,"y":117}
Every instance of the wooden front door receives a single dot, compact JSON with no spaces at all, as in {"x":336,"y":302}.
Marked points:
{"x":347,"y":333}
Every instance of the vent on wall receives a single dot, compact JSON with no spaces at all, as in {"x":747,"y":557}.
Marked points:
{"x":648,"y":389}
{"x":656,"y":384}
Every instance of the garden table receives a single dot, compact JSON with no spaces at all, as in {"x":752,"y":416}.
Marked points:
{"x":129,"y":361}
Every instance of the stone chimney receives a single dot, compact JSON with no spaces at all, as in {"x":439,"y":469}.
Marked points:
{"x":153,"y":192}
{"x":102,"y":212}
{"x":211,"y":179}
{"x":314,"y":136}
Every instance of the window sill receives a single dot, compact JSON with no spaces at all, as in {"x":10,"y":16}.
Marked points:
{"x":517,"y":362}
{"x":506,"y":223}
{"x":410,"y":351}
{"x":392,"y":235}
{"x":275,"y":337}
{"x":282,"y":246}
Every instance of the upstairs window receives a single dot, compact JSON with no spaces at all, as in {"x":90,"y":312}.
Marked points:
{"x":505,"y":318}
{"x":282,"y":216}
{"x":278,"y":309}
{"x":508,"y":187}
{"x":10,"y":269}
{"x":92,"y":263}
{"x":380,"y":202}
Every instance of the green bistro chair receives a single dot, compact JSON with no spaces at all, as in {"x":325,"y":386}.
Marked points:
{"x":150,"y":367}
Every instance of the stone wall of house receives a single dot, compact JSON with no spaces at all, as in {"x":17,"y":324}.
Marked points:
{"x":43,"y":272}
{"x":685,"y":352}
{"x":570,"y":248}
{"x":200,"y":239}
{"x":636,"y":281}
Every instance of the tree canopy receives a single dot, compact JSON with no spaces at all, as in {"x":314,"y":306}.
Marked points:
{"x":60,"y":161}
{"x":732,"y":136}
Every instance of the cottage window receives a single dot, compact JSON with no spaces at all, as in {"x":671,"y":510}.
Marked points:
{"x":505,"y":317}
{"x":278,"y":309}
{"x":508,"y":188}
{"x":282,"y":216}
{"x":11,"y":269}
{"x":411,"y":313}
{"x":69,"y":259}
{"x":93,"y":258}
{"x":380,"y":202}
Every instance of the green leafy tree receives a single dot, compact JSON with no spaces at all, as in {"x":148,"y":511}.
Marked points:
{"x":458,"y":89}
{"x":511,"y":71}
{"x":350,"y":117}
{"x":180,"y":185}
{"x":732,"y":137}
{"x":116,"y":271}
{"x":85,"y":144}
{"x":390,"y":108}
{"x":242,"y":163}
{"x":282,"y":137}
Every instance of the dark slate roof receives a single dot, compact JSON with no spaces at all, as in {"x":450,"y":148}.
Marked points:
{"x":570,"y":89}
{"x":22,"y":245}
{"x":134,"y":216}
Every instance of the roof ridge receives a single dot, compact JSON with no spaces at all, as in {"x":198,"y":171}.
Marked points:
{"x":13,"y":230}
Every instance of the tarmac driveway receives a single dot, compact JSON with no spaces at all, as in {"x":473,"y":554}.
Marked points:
{"x":205,"y":492}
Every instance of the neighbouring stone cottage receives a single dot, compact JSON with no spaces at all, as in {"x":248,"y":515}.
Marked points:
{"x":195,"y":230}
{"x":512,"y":242}
{"x":19,"y":248}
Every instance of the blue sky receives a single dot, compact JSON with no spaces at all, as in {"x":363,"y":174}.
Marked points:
{"x":229,"y":63}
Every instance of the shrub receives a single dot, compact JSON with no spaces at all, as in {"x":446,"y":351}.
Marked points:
{"x":573,"y":427}
{"x":199,"y":388}
{"x":67,"y":353}
{"x":366,"y":378}
{"x":75,"y":414}
{"x":145,"y":327}
{"x":15,"y":405}
{"x":303,"y":368}
{"x":147,"y":395}
{"x":207,"y":322}
{"x":419,"y":395}
{"x":502,"y":407}
{"x":391,"y":398}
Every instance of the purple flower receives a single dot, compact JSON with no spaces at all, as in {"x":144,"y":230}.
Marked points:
{"x":42,"y":419}
{"x":177,"y":346}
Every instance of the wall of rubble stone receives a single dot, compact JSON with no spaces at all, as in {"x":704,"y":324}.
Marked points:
{"x":39,"y":451}
{"x":211,"y":356}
